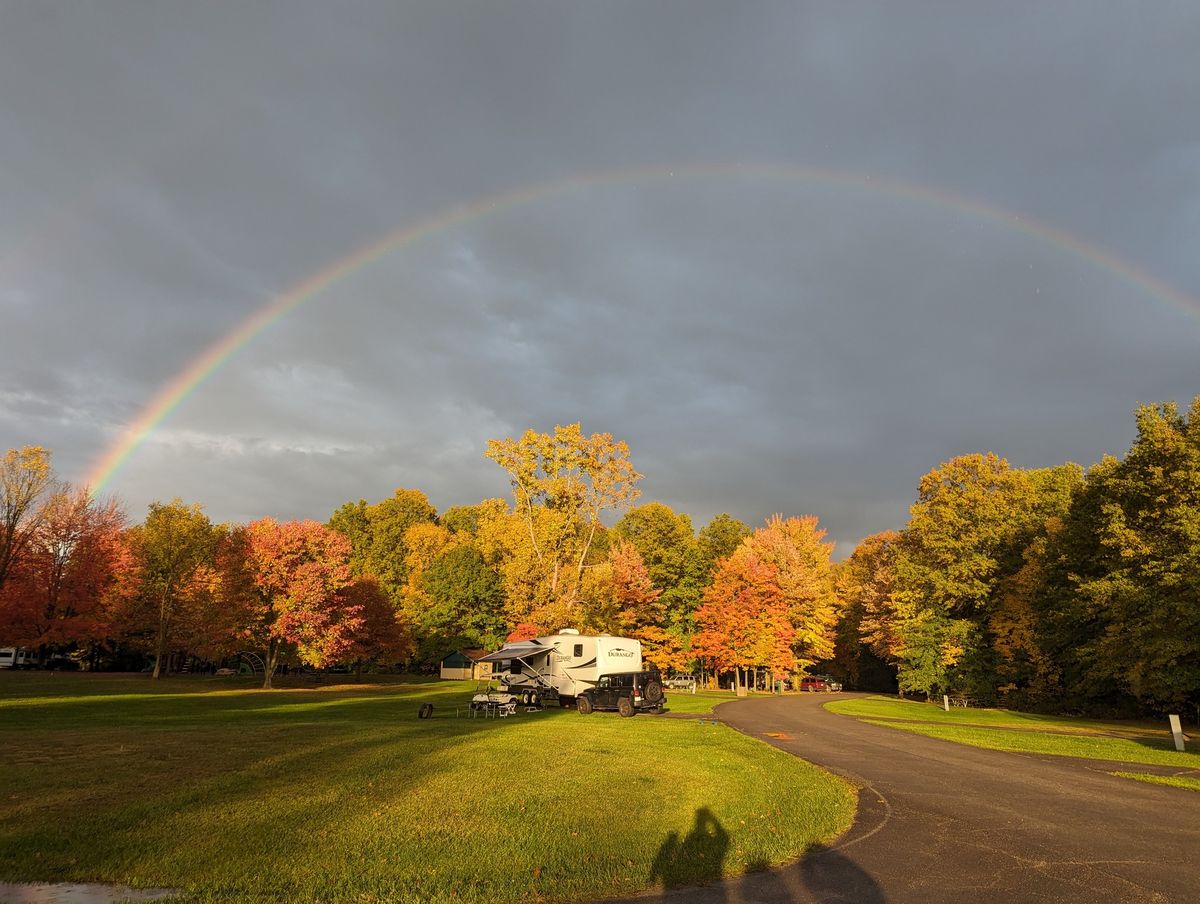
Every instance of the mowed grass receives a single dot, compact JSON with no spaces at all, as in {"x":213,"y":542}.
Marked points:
{"x":339,"y":793}
{"x":998,"y":729}
{"x":1173,"y":781}
{"x":701,"y":702}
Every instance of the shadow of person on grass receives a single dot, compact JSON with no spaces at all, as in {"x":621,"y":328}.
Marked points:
{"x":699,"y":857}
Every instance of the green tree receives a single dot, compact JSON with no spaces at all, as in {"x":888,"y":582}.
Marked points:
{"x":719,"y":538}
{"x":377,"y":536}
{"x":667,"y":546}
{"x":973,"y":518}
{"x":465,"y":603}
{"x":1122,"y":603}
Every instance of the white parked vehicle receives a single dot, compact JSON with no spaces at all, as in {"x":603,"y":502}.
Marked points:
{"x":563,"y":665}
{"x":15,"y":658}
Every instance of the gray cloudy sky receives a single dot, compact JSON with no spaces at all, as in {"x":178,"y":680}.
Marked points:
{"x":765,"y":344}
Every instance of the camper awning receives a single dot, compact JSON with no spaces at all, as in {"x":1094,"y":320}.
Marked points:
{"x":520,"y":650}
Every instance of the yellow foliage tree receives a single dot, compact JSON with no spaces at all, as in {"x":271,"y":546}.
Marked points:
{"x":562,"y":482}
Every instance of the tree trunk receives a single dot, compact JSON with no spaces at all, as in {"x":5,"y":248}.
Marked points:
{"x":160,"y":649}
{"x":269,"y":665}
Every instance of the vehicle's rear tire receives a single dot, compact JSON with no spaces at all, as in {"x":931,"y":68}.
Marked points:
{"x":625,"y":707}
{"x":584,"y":705}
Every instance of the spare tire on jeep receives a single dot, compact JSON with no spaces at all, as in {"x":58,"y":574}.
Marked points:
{"x":652,"y":692}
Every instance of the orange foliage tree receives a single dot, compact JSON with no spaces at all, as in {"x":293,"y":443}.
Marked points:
{"x":300,"y":572}
{"x":55,"y":595}
{"x":744,"y":622}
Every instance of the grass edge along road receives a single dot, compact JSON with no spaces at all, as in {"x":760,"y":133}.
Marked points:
{"x":1015,"y":732}
{"x":340,"y":793}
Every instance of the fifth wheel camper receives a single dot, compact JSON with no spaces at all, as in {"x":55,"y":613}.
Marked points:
{"x":565,"y":664}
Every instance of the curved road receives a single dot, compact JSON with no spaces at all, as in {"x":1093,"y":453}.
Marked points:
{"x":939,"y":821}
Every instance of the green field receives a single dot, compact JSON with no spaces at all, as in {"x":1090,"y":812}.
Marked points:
{"x":339,"y":793}
{"x":998,"y":729}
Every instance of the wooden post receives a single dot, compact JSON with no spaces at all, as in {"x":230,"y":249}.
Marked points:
{"x":946,"y":702}
{"x":1177,"y":733}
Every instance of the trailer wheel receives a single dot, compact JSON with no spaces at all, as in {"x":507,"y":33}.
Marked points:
{"x":425,"y":711}
{"x":625,"y":707}
{"x":583,"y":704}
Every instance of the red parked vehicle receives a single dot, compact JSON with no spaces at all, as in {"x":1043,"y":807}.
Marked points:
{"x":820,"y":683}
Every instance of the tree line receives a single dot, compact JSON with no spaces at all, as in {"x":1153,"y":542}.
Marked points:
{"x":1052,"y":588}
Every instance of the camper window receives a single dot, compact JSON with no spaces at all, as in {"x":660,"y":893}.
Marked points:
{"x":578,"y":650}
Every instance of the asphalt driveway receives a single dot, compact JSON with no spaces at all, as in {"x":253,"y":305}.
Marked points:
{"x":938,"y":821}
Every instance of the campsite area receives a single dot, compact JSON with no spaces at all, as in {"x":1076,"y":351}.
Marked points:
{"x":340,"y":793}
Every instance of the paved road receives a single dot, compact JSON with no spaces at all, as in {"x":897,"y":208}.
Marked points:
{"x":942,"y":822}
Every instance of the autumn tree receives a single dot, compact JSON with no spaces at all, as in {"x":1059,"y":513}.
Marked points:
{"x":55,"y":598}
{"x":868,"y":640}
{"x":300,"y":572}
{"x":562,"y":483}
{"x":797,"y":549}
{"x":25,"y":475}
{"x":744,"y":622}
{"x":377,"y":536}
{"x":171,"y":560}
{"x":383,"y":635}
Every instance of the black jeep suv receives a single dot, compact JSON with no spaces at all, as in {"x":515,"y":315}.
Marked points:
{"x":626,"y":692}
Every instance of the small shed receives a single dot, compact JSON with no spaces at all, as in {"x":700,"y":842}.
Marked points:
{"x":465,"y":665}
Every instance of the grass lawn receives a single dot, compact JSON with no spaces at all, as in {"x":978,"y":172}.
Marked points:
{"x":1191,"y":783}
{"x":703,"y":701}
{"x":1023,"y":732}
{"x":339,"y":793}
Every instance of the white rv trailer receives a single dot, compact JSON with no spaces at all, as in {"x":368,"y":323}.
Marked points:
{"x":15,"y":658}
{"x":565,"y":664}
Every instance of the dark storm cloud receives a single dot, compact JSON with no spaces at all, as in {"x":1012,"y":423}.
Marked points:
{"x":764,"y":344}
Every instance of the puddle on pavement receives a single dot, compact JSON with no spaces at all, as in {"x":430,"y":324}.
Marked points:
{"x":76,"y":893}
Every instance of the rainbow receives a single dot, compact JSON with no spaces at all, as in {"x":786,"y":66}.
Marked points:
{"x":171,"y":396}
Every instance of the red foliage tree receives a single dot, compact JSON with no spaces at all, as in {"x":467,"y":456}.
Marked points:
{"x":523,"y":631}
{"x":383,"y":636}
{"x":300,"y":571}
{"x":55,"y":596}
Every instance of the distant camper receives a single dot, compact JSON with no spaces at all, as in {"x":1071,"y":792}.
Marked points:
{"x":15,"y":658}
{"x":466,"y":665}
{"x":565,"y":664}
